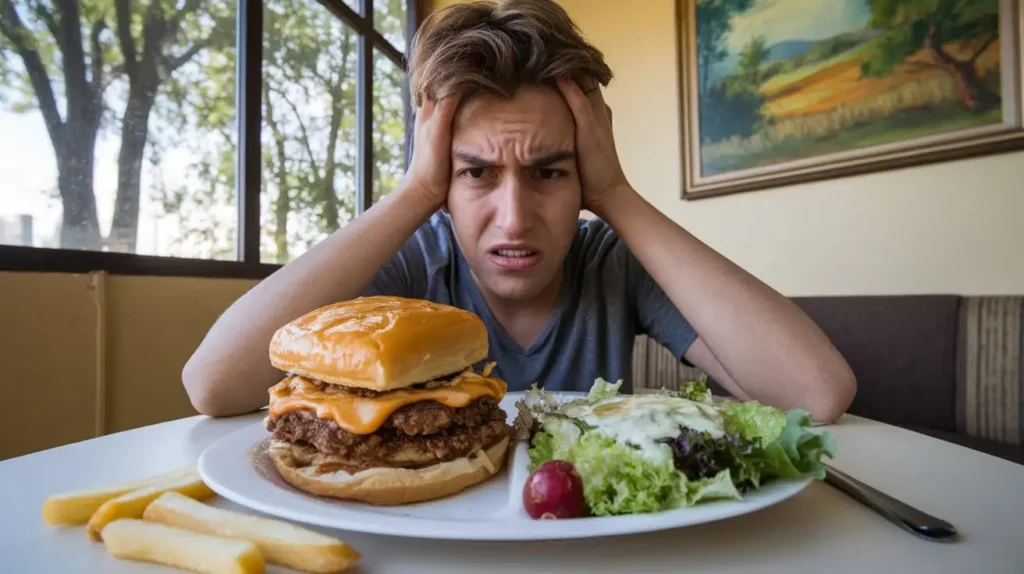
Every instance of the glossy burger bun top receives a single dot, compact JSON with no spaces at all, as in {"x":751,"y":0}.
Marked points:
{"x":380,"y":343}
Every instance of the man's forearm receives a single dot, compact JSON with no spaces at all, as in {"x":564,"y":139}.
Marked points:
{"x":763,"y":341}
{"x":230,"y":371}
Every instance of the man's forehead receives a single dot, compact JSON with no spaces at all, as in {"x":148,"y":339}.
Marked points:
{"x":532,"y":106}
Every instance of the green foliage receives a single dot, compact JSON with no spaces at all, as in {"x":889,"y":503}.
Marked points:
{"x":730,"y":108}
{"x":753,"y":55}
{"x":93,"y":68}
{"x":310,"y":73}
{"x":909,"y":24}
{"x":713,"y":21}
{"x":887,"y":52}
{"x":912,"y":25}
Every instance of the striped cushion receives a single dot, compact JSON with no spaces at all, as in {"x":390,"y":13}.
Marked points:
{"x":655,"y":367}
{"x":990,"y":393}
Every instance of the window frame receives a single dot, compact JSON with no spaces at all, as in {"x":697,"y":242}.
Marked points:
{"x":248,"y":168}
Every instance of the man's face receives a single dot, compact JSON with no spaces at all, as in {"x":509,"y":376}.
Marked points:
{"x":515,"y":193}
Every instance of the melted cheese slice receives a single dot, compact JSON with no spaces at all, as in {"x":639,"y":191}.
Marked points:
{"x":364,"y":415}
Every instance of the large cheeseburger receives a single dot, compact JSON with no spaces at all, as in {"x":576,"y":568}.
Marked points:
{"x":381,"y":402}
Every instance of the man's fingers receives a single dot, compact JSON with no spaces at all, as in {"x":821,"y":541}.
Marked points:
{"x":577,"y":100}
{"x":602,"y":111}
{"x":446,"y":110}
{"x":588,"y":108}
{"x":425,"y":111}
{"x":441,"y":120}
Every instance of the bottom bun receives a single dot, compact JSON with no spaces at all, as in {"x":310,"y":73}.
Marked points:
{"x":385,"y":486}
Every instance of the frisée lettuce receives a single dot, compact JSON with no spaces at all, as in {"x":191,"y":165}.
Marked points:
{"x":670,"y":449}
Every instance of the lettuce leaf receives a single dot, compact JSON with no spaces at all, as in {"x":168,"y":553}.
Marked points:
{"x":602,"y":390}
{"x":696,"y":390}
{"x":718,"y":487}
{"x":617,"y":479}
{"x":698,"y":456}
{"x":539,"y":400}
{"x":798,"y":452}
{"x":755,"y":422}
{"x":553,"y":442}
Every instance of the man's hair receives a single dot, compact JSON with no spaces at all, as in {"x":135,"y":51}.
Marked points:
{"x":496,"y":47}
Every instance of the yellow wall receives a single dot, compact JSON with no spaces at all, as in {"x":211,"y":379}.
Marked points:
{"x":944,"y":228}
{"x":85,"y":355}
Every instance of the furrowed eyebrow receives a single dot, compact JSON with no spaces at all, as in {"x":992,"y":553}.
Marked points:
{"x":474,"y":160}
{"x":551,"y":158}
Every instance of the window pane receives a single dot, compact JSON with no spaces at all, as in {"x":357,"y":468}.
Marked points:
{"x":388,"y":125}
{"x":389,"y":20}
{"x":150,"y":168}
{"x":309,"y":127}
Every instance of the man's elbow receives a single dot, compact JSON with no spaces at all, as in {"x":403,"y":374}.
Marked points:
{"x":206,"y":390}
{"x":834,"y":392}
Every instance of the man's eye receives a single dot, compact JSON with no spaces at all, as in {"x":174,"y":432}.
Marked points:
{"x":475,"y":172}
{"x":549,"y":173}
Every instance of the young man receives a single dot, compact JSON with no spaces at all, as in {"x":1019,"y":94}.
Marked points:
{"x":508,"y":149}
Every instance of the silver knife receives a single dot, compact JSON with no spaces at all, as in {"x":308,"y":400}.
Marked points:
{"x":904,"y":515}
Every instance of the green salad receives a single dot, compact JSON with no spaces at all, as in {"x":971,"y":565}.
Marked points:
{"x":665,"y":450}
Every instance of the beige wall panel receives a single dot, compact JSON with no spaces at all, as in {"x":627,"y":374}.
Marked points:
{"x":48,"y":353}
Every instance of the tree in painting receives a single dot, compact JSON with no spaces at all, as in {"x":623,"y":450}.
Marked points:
{"x":713,"y":25}
{"x":925,"y":24}
{"x":753,"y":56}
{"x":728,"y":108}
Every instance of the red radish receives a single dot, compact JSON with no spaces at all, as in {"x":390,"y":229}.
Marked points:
{"x":554,"y":490}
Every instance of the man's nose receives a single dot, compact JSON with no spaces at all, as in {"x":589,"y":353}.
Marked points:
{"x":515,"y":209}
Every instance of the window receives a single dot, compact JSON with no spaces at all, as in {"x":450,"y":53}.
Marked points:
{"x":100,"y":149}
{"x":389,"y":105}
{"x":389,"y":18}
{"x":220,"y":137}
{"x":309,"y":127}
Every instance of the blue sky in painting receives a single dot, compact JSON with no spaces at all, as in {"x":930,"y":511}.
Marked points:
{"x":784,"y":20}
{"x":790,"y":27}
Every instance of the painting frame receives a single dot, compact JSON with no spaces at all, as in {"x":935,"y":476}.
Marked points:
{"x":1005,"y":136}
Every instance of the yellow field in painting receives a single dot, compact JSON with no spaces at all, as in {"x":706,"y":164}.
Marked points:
{"x":827,"y":107}
{"x":837,"y":84}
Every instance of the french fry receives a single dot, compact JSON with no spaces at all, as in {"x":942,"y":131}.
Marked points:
{"x":133,"y":504}
{"x":77,"y":506}
{"x":134,"y":539}
{"x":280,"y":542}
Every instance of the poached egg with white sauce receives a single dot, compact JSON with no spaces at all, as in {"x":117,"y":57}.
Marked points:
{"x":644,"y":420}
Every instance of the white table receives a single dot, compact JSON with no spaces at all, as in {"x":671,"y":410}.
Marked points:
{"x":819,"y":530}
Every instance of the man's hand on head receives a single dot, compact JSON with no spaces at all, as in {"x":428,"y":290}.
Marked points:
{"x":601,"y":172}
{"x":430,"y":167}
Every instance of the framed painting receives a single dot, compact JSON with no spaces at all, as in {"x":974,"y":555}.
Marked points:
{"x":778,"y":92}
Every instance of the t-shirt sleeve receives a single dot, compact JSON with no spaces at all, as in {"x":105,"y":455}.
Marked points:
{"x":404,"y":274}
{"x":657,"y":317}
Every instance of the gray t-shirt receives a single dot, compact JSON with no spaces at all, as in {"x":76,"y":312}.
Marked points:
{"x":605,"y":300}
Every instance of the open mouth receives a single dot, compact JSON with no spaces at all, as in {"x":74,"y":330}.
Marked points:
{"x":513,"y":253}
{"x":514,"y":259}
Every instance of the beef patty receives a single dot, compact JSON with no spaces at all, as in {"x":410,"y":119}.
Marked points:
{"x":431,"y":417}
{"x":417,"y":434}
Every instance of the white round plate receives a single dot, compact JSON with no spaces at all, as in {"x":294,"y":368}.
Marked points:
{"x":237,"y":468}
